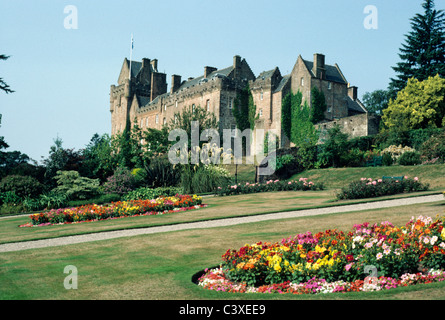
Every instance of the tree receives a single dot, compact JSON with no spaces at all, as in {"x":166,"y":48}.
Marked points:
{"x":376,"y":101}
{"x":423,"y":54}
{"x":61,"y":159}
{"x":3,"y":85}
{"x":419,"y":105}
{"x":99,"y":160}
{"x":318,"y":106}
{"x":183,"y":120}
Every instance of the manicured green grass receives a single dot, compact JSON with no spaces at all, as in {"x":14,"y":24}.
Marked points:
{"x":219,"y":208}
{"x":160,"y":266}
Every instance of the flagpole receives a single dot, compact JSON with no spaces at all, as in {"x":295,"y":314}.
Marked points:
{"x":131,"y":53}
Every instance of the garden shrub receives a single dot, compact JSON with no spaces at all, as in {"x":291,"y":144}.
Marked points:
{"x":387,"y":159}
{"x":160,"y":173}
{"x":370,"y":188}
{"x":22,"y":186}
{"x":271,"y":185}
{"x":121,"y":182}
{"x":410,"y":158}
{"x":434,"y":148}
{"x":152,"y":193}
{"x":76,"y":187}
{"x":397,"y":151}
{"x":208,"y":178}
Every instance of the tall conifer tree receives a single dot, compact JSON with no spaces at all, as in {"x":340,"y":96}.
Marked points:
{"x":423,"y":53}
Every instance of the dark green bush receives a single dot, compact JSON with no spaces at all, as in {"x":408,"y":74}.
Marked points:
{"x":22,"y":186}
{"x":409,"y":158}
{"x":387,"y":159}
{"x":152,"y":193}
{"x":159,"y":173}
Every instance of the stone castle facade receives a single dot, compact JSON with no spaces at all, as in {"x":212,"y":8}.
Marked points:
{"x":141,"y":95}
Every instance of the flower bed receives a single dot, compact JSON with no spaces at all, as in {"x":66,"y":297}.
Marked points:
{"x":120,"y":209}
{"x":271,"y":185}
{"x":369,"y":257}
{"x":370,"y":188}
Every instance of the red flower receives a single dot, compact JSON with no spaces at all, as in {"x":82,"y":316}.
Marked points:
{"x":349,"y":257}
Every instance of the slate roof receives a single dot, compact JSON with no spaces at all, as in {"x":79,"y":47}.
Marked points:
{"x":332,"y":72}
{"x":355,"y":106}
{"x":189,"y":83}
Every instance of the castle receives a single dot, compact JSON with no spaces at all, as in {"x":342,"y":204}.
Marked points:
{"x":141,"y":95}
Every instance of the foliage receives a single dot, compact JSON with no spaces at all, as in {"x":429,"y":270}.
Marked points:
{"x":3,"y":85}
{"x":22,"y":186}
{"x":99,"y":161}
{"x":116,"y":210}
{"x":121,"y":182}
{"x":244,"y":110}
{"x":203,"y":178}
{"x":271,"y":185}
{"x":76,"y":187}
{"x":434,"y":147}
{"x":397,"y":151}
{"x":337,"y":261}
{"x":376,"y":101}
{"x":60,"y":159}
{"x":152,"y":193}
{"x":370,"y":188}
{"x":159,"y":173}
{"x":318,"y":106}
{"x":334,"y":146}
{"x":410,"y":158}
{"x":183,"y":120}
{"x":156,"y":142}
{"x":10,"y":197}
{"x":423,"y":53}
{"x":286,"y":115}
{"x":421,"y":104}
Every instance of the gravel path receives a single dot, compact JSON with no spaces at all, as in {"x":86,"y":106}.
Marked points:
{"x":9,"y":247}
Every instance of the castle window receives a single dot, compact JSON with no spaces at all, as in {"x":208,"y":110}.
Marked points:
{"x":164,"y":121}
{"x":302,"y":81}
{"x":165,"y":107}
{"x":193,"y":108}
{"x":176,"y":118}
{"x":329,"y":85}
{"x":157,"y":119}
{"x":230,"y":103}
{"x":176,"y":104}
{"x":146,"y":122}
{"x":261,"y":95}
{"x":208,"y":105}
{"x":261,"y":112}
{"x":329,"y":109}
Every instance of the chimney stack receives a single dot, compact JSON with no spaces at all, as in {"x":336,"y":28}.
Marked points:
{"x":352,"y":92}
{"x":154,"y":64}
{"x":208,"y":71}
{"x":319,"y":66}
{"x":145,"y":63}
{"x":176,"y":83}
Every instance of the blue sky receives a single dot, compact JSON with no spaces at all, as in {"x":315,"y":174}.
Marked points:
{"x":62,"y":76}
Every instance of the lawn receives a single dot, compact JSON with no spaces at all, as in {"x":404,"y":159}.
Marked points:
{"x":160,"y":266}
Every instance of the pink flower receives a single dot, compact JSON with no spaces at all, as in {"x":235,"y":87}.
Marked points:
{"x":416,"y":179}
{"x":374,"y":182}
{"x":380,"y":180}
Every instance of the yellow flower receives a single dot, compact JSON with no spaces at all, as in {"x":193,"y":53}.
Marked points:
{"x":277,"y":267}
{"x":442,"y":234}
{"x":319,"y":249}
